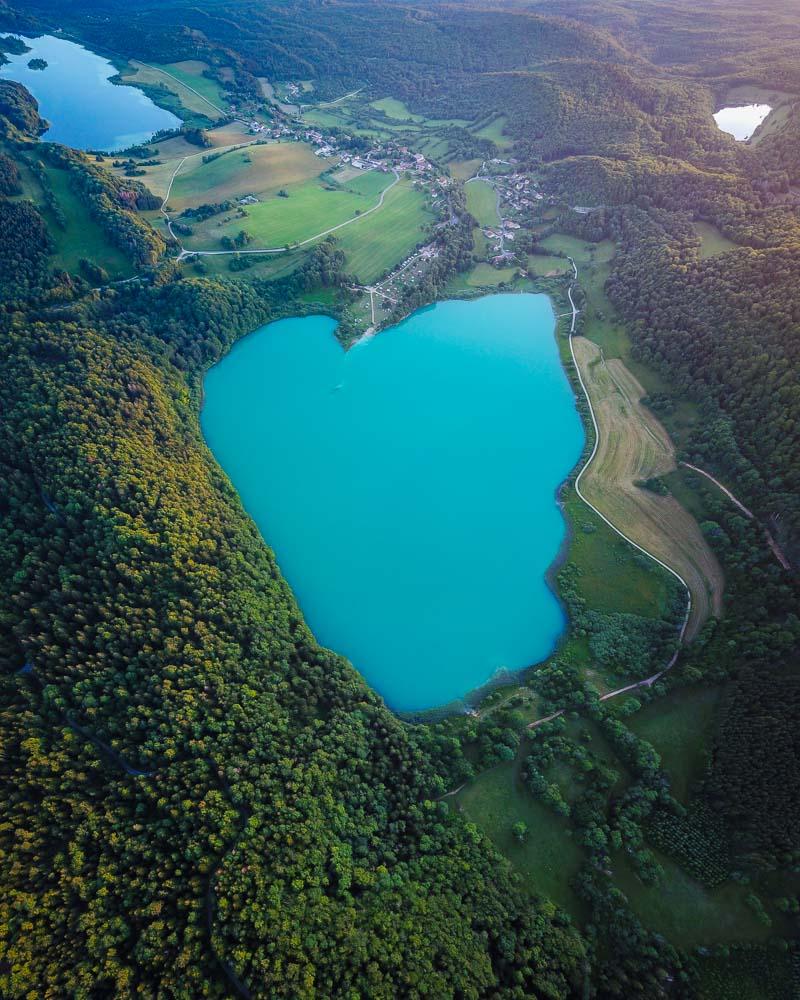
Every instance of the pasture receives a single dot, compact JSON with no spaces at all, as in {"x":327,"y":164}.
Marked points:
{"x":493,"y":131}
{"x":482,"y":203}
{"x":378,"y":242}
{"x":680,"y":727}
{"x":712,"y":242}
{"x":310,"y":208}
{"x":548,"y":858}
{"x":261,"y":170}
{"x":174,"y":80}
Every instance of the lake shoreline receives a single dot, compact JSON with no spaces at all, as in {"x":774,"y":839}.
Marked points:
{"x":518,"y":305}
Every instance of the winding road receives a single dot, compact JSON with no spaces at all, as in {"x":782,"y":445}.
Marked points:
{"x":648,"y":681}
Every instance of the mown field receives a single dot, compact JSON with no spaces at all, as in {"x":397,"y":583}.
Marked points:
{"x":635,"y":447}
{"x":261,"y":170}
{"x":173,"y":79}
{"x":375,"y":244}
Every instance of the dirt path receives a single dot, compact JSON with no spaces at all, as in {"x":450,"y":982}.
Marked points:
{"x":777,"y":551}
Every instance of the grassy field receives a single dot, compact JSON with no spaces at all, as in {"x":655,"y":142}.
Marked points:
{"x":309,"y":209}
{"x":485,"y":275}
{"x":613,"y":576}
{"x":462,"y":170}
{"x":482,"y":203}
{"x":635,"y":446}
{"x":258,"y":170}
{"x":546,"y":266}
{"x":493,"y":130}
{"x":190,"y":73}
{"x":712,"y":242}
{"x":687,"y":912}
{"x":158,"y":79}
{"x":396,"y":109}
{"x":680,"y":726}
{"x":82,"y":236}
{"x":548,"y":858}
{"x":381,"y":240}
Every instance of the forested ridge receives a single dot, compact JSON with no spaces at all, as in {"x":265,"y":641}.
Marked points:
{"x":202,"y":802}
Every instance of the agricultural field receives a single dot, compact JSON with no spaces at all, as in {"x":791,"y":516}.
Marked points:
{"x":174,"y":80}
{"x":376,"y":243}
{"x":493,"y":130}
{"x":482,"y":203}
{"x":462,"y":170}
{"x":393,"y":108}
{"x":309,"y":208}
{"x":546,"y":266}
{"x":260,"y":170}
{"x":635,"y":447}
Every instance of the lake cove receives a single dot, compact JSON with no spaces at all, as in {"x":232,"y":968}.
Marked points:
{"x":75,"y":95}
{"x":408,"y":486}
{"x":742,"y":122}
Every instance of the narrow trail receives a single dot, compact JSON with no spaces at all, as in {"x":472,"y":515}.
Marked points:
{"x":777,"y":551}
{"x":332,"y":104}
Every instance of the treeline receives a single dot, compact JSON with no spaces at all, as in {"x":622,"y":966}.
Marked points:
{"x":112,"y":202}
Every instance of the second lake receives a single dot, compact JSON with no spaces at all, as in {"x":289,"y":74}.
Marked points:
{"x":75,"y":94}
{"x":408,"y":487}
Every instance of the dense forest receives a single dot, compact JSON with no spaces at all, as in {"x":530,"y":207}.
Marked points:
{"x":199,"y":800}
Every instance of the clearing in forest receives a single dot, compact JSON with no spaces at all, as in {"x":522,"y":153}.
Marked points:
{"x":635,"y":447}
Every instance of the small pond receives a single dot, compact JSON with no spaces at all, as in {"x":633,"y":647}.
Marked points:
{"x":741,"y":122}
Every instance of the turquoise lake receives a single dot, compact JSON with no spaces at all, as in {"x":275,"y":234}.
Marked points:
{"x":408,"y":486}
{"x":75,"y":95}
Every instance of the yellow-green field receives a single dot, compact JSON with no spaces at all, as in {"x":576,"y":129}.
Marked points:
{"x":177,"y":79}
{"x":258,"y":170}
{"x":482,"y":203}
{"x":634,"y":446}
{"x":493,"y":130}
{"x":712,"y":242}
{"x":382,"y":239}
{"x":309,"y":208}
